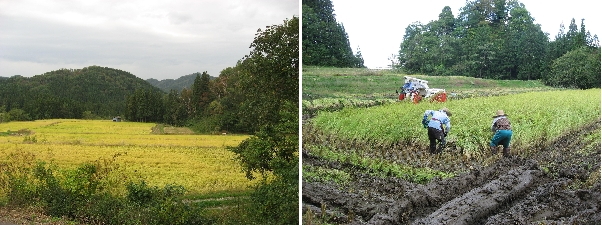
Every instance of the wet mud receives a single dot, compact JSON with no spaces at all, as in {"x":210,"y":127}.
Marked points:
{"x":559,"y":184}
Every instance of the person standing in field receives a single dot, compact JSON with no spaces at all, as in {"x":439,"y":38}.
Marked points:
{"x":438,"y":126}
{"x":502,"y":133}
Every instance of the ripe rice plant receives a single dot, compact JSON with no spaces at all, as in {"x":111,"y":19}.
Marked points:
{"x":200,"y":163}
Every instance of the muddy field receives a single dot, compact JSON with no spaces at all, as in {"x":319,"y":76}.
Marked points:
{"x":559,"y":184}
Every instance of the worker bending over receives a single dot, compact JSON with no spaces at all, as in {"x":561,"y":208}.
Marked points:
{"x":438,"y":126}
{"x":502,"y":133}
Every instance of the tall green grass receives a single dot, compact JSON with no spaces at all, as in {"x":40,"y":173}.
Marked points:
{"x":535,"y":116}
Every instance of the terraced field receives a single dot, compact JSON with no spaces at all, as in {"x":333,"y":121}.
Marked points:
{"x":370,"y":165}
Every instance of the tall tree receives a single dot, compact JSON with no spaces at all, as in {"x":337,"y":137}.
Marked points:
{"x":270,"y":76}
{"x":526,"y":45}
{"x":324,"y":41}
{"x":201,"y":93}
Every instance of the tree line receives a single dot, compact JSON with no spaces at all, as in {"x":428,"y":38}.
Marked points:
{"x":498,"y":39}
{"x":493,"y":39}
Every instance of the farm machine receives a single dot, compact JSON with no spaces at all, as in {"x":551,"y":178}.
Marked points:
{"x":416,"y":89}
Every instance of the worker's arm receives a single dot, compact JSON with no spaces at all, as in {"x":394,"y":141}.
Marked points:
{"x":425,"y":118}
{"x":428,"y":113}
{"x":493,"y":126}
{"x":447,"y":125}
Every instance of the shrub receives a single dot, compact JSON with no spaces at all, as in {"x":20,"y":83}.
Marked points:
{"x":82,"y":194}
{"x":579,"y":68}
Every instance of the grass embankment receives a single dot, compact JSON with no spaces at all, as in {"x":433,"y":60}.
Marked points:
{"x":320,"y":82}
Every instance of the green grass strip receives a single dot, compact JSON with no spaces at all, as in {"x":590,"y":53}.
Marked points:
{"x":380,"y":167}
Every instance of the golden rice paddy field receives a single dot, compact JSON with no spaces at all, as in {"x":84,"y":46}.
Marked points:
{"x":201,"y":163}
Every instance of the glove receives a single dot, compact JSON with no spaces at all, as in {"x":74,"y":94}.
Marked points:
{"x":425,"y":123}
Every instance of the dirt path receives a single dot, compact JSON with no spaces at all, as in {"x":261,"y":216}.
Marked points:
{"x":559,"y":184}
{"x":29,"y":216}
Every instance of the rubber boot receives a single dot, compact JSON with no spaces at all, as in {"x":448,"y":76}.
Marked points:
{"x":433,"y":149}
{"x":506,"y":152}
{"x":493,"y":150}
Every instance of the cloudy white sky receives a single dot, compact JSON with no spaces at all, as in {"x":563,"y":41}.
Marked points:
{"x":377,"y":26}
{"x":158,"y":39}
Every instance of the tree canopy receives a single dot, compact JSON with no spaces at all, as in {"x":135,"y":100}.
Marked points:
{"x":68,"y":93}
{"x":325,"y":42}
{"x":269,"y":79}
{"x":495,"y":39}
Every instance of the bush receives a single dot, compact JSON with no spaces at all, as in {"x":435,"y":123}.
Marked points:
{"x":18,"y":115}
{"x":142,"y":194}
{"x":275,"y":201}
{"x":579,"y":68}
{"x":82,"y":194}
{"x":207,"y":125}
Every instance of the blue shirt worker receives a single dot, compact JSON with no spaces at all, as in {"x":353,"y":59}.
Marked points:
{"x":438,"y":126}
{"x":502,"y":133}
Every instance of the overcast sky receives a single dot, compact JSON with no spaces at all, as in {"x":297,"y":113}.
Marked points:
{"x":377,"y":26}
{"x":158,"y":39}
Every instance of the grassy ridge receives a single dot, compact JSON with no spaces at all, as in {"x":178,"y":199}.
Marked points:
{"x":319,"y":82}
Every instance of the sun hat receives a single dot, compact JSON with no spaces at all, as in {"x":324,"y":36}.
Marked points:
{"x":499,"y":113}
{"x":446,"y":110}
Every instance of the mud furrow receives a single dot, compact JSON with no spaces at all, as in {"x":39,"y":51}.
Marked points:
{"x":553,"y":202}
{"x":482,"y":201}
{"x":558,"y":184}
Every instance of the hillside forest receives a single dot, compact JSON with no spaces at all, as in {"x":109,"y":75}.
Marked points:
{"x":232,"y":102}
{"x":493,"y":39}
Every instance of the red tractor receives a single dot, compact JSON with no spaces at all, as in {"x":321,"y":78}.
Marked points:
{"x":416,"y":89}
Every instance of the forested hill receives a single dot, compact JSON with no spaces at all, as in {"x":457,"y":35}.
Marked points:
{"x":68,"y":93}
{"x":177,"y":84}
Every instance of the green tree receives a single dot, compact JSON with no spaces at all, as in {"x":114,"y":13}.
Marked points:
{"x":201,"y":93}
{"x":270,"y":76}
{"x":579,"y":68}
{"x":494,"y":39}
{"x":175,"y":110}
{"x":4,"y":117}
{"x":526,"y":45}
{"x":324,"y":41}
{"x":145,"y":106}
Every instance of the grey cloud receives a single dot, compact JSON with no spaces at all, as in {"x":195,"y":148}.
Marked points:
{"x":178,"y":18}
{"x":161,"y":41}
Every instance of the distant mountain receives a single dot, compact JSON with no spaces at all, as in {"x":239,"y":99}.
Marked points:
{"x":67,"y":93}
{"x":171,"y":84}
{"x":177,"y":84}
